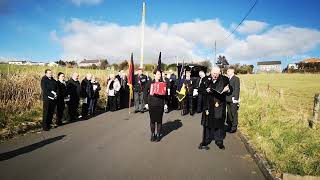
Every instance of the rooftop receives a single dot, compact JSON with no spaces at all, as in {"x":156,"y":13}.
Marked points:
{"x":268,"y":62}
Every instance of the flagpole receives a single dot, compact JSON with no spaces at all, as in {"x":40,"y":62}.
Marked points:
{"x":142,"y":34}
{"x":215,"y":53}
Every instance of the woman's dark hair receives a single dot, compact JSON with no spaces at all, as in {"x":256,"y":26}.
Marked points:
{"x":60,"y":74}
{"x":155,"y":71}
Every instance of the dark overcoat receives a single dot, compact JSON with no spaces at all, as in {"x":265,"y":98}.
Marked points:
{"x":215,"y":103}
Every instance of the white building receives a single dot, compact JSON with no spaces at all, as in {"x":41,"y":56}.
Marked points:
{"x":17,"y":62}
{"x":88,"y":63}
{"x":269,"y":66}
{"x":292,"y":66}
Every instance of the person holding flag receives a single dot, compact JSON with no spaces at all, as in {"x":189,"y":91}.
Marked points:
{"x":155,"y":94}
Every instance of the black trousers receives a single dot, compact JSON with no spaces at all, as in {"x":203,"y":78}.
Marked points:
{"x":112,"y":103}
{"x":212,"y":134}
{"x":60,"y":110}
{"x":73,"y":110}
{"x":200,"y":103}
{"x":118,"y":100}
{"x":232,"y":116}
{"x":188,"y":105}
{"x":48,"y":111}
{"x":85,"y":108}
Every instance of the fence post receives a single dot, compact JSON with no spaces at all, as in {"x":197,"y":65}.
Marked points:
{"x":316,"y":107}
{"x":268,"y":87}
{"x":281,"y":93}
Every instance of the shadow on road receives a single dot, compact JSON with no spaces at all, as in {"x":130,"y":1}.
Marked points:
{"x":29,"y":148}
{"x":170,"y":126}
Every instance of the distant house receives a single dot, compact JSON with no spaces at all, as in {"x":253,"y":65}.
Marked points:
{"x":17,"y":62}
{"x":88,"y":63}
{"x":53,"y":64}
{"x":311,"y":60}
{"x":269,"y":66}
{"x":292,"y":66}
{"x":36,"y":63}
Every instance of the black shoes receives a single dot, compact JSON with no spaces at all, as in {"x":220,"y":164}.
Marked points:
{"x":46,"y":128}
{"x":220,"y":145}
{"x":202,"y":146}
{"x":233,"y":131}
{"x":158,"y":138}
{"x":153,"y":137}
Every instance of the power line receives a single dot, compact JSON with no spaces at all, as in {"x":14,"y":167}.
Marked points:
{"x":243,"y":19}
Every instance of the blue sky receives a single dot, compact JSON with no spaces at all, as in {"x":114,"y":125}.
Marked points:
{"x":46,"y":30}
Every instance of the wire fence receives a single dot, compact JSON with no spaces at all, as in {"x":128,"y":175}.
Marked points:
{"x":281,"y":94}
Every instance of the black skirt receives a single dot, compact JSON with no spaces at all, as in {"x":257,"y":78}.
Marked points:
{"x":156,"y":113}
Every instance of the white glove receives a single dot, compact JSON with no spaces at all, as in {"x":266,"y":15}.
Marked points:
{"x":146,"y":106}
{"x":195,"y":92}
{"x":165,"y":107}
{"x":85,"y":101}
{"x":54,"y":94}
{"x":235,"y":101}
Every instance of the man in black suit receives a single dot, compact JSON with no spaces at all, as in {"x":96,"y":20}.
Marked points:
{"x":233,"y":101}
{"x":214,"y":113}
{"x":86,"y":93}
{"x":73,"y":90}
{"x":140,"y":82}
{"x":49,"y":97}
{"x":201,"y":90}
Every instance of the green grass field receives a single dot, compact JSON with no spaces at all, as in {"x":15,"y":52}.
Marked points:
{"x":276,"y":126}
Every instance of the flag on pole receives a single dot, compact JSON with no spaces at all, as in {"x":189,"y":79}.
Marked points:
{"x":130,"y":80}
{"x":159,"y":65}
{"x":181,"y":89}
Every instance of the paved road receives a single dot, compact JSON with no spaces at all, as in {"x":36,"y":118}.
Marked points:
{"x":116,"y":146}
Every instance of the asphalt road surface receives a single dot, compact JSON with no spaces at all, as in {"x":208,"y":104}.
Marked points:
{"x":115,"y":146}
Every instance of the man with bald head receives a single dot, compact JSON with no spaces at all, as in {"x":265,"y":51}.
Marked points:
{"x":73,"y":90}
{"x":214,"y":110}
{"x":86,"y":94}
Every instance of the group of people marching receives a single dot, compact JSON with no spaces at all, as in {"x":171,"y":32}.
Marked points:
{"x":214,"y":95}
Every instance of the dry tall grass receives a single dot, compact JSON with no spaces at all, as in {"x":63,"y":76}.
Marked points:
{"x":20,"y":92}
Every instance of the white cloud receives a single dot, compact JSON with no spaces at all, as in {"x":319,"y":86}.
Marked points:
{"x":100,"y":39}
{"x":278,"y":42}
{"x":251,"y":27}
{"x":188,"y":40}
{"x":87,"y":2}
{"x":53,"y":36}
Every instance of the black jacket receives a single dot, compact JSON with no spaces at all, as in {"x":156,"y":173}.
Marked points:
{"x":95,"y":94}
{"x":190,"y":85}
{"x":235,"y":85}
{"x":140,"y":83}
{"x":73,"y":89}
{"x":86,"y":88}
{"x":155,"y":100}
{"x":215,"y":103}
{"x":62,"y":91}
{"x":201,"y":86}
{"x":48,"y":85}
